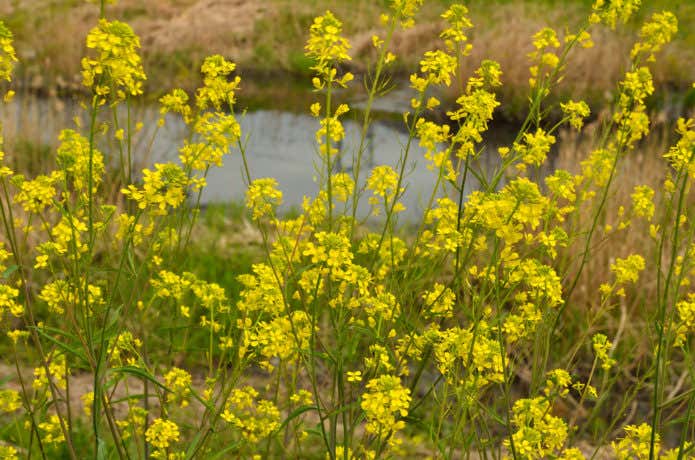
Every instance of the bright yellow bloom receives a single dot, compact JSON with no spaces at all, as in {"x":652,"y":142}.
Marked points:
{"x":642,"y":203}
{"x":217,"y":90}
{"x":51,"y":432}
{"x":575,"y":112}
{"x":385,"y":402}
{"x":655,"y":34}
{"x":326,"y":46}
{"x":179,"y":382}
{"x":602,"y":348}
{"x":438,"y":67}
{"x":7,"y":53}
{"x":10,"y":401}
{"x":609,"y":12}
{"x":162,"y":433}
{"x":116,"y":71}
{"x":263,"y":197}
{"x":256,"y":419}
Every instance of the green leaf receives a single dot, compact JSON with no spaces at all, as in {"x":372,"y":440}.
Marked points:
{"x":141,"y":373}
{"x":44,"y":332}
{"x":9,"y":270}
{"x":296,"y":413}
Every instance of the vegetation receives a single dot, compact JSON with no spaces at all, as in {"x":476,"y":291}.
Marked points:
{"x":264,"y":38}
{"x":548,"y":314}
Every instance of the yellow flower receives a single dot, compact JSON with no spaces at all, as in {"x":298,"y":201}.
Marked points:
{"x":627,"y":270}
{"x":383,"y":182}
{"x":7,"y":53}
{"x":9,"y":401}
{"x":405,"y":10}
{"x":51,"y":432}
{"x":642,"y":203}
{"x":602,"y":349}
{"x":162,"y":433}
{"x":262,"y":197}
{"x":217,"y":89}
{"x":438,"y":67}
{"x":256,"y":419}
{"x":655,"y":34}
{"x":458,"y":21}
{"x":8,"y":296}
{"x":575,"y":112}
{"x":610,"y":12}
{"x":354,"y":377}
{"x":8,"y":452}
{"x":179,"y":382}
{"x":326,"y":46}
{"x":385,"y":402}
{"x":116,"y":71}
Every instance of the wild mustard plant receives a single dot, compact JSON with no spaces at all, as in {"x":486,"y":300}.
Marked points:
{"x":350,"y":340}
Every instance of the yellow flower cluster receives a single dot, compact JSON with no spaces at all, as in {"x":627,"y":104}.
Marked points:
{"x":116,"y":71}
{"x":642,"y":201}
{"x":637,"y":444}
{"x":161,"y":434}
{"x":282,"y":338}
{"x":602,"y":349}
{"x":10,"y":401}
{"x":686,"y":320}
{"x":36,"y":195}
{"x":655,"y":34}
{"x":631,"y":116}
{"x":475,"y":108}
{"x":327,"y":48}
{"x":255,"y":419}
{"x":8,"y":301}
{"x":51,"y":431}
{"x":385,"y":402}
{"x":383,"y":182}
{"x":7,"y":53}
{"x":163,"y":188}
{"x":457,"y":18}
{"x":544,"y":60}
{"x":218,"y":90}
{"x":539,"y":434}
{"x":404,"y":11}
{"x":263,"y":197}
{"x":73,"y":158}
{"x":472,"y":352}
{"x":575,"y":112}
{"x":8,"y":452}
{"x":134,"y":422}
{"x":680,"y":156}
{"x":609,"y":12}
{"x":331,"y":130}
{"x":178,"y":381}
{"x":535,"y":148}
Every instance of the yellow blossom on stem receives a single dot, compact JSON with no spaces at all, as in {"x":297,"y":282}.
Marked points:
{"x":116,"y":70}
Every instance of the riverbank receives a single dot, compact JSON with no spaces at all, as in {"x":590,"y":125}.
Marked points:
{"x":266,"y":38}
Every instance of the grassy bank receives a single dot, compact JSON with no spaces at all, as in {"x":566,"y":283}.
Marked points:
{"x":266,"y":37}
{"x":548,"y":313}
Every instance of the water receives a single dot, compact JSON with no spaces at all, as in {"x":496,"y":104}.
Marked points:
{"x":279,"y":144}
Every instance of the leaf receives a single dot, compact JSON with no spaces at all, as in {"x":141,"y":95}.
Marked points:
{"x":9,"y":270}
{"x":221,"y":453}
{"x":296,"y":413}
{"x":138,"y":372}
{"x":43,"y":332}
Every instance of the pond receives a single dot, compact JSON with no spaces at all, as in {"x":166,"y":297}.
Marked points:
{"x":279,"y":144}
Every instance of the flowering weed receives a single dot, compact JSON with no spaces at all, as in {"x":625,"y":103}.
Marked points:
{"x":353,"y":340}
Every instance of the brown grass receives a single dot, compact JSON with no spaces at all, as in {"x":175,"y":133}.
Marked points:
{"x":270,"y":34}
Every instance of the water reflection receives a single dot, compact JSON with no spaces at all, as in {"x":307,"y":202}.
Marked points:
{"x":278,"y":144}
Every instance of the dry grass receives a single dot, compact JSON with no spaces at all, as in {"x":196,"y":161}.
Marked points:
{"x":268,"y":36}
